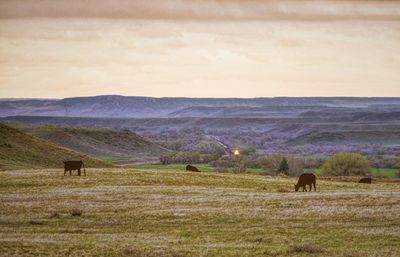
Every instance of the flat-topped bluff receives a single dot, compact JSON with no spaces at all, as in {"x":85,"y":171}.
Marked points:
{"x":136,"y":107}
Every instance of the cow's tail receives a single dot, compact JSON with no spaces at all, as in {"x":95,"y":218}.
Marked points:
{"x":84,"y":171}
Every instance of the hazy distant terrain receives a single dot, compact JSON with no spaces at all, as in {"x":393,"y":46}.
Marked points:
{"x":309,"y":126}
{"x":145,"y":107}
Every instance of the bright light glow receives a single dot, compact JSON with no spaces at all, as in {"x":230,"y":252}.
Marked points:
{"x":236,"y":152}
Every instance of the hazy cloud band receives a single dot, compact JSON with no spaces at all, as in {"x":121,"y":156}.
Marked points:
{"x":203,"y":9}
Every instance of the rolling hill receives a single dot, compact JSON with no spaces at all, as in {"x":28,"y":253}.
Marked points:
{"x":280,"y":124}
{"x":97,"y":142}
{"x":21,"y":151}
{"x":348,"y":137}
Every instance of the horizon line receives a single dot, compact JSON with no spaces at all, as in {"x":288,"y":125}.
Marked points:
{"x":186,"y":97}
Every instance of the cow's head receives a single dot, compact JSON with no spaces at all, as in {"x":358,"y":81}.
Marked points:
{"x":296,"y":187}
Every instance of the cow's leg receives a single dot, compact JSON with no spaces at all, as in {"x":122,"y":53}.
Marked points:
{"x":310,"y":187}
{"x":65,"y":172}
{"x":70,"y":172}
{"x":304,"y":189}
{"x":79,"y":172}
{"x":315,"y":187}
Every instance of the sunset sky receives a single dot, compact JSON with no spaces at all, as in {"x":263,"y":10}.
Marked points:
{"x":199,"y":48}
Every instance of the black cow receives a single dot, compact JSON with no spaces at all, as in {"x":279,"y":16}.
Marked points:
{"x":365,"y":180}
{"x":192,"y":168}
{"x":304,"y":180}
{"x":74,"y":165}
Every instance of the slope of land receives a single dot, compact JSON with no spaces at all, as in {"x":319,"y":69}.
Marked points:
{"x":97,"y":142}
{"x":348,"y":137}
{"x":314,"y":127}
{"x":125,"y":212}
{"x":19,"y":150}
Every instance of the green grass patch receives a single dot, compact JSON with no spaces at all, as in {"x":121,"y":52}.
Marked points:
{"x":111,"y":159}
{"x":390,"y":173}
{"x":175,"y":167}
{"x":181,"y":167}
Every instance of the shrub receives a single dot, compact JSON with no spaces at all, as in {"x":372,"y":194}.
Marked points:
{"x":346,"y":164}
{"x":166,"y":159}
{"x":284,"y":166}
{"x":182,"y":157}
{"x":55,"y":215}
{"x":248,"y":151}
{"x":236,"y":163}
{"x":76,"y":212}
{"x":305,"y":249}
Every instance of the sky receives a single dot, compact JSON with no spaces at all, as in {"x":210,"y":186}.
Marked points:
{"x":199,"y":48}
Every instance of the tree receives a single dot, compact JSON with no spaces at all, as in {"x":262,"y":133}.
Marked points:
{"x":284,"y":166}
{"x":272,"y":164}
{"x":346,"y":164}
{"x":235,"y":163}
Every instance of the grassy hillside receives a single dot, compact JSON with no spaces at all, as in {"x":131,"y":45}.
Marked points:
{"x":97,"y":142}
{"x":130,"y":212}
{"x":19,"y":151}
{"x":348,"y":137}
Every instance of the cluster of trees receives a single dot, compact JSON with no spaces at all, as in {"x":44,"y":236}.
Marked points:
{"x":272,"y":164}
{"x":341,"y":164}
{"x":234,"y":163}
{"x":195,"y":139}
{"x":188,"y":157}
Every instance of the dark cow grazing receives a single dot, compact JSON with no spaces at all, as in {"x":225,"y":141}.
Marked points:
{"x":304,"y":180}
{"x":192,"y":168}
{"x":365,"y":180}
{"x":74,"y":165}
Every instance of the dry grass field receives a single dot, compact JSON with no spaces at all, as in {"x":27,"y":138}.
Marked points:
{"x":129,"y":212}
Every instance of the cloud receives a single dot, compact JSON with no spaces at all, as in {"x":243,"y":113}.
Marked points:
{"x":203,"y":10}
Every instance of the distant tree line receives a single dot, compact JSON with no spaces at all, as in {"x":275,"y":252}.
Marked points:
{"x":340,"y":164}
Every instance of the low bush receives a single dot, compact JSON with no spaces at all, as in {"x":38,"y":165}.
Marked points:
{"x":305,"y":249}
{"x":188,"y":157}
{"x":234,"y":163}
{"x":76,"y":212}
{"x":346,"y":164}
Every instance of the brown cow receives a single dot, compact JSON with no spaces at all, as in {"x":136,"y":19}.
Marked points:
{"x":304,"y":180}
{"x":74,"y":165}
{"x":365,"y":180}
{"x":192,"y":168}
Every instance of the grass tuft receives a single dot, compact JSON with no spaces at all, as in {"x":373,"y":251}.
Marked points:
{"x":76,"y":212}
{"x":282,"y":190}
{"x":36,"y":222}
{"x":305,"y":249}
{"x":54,"y":215}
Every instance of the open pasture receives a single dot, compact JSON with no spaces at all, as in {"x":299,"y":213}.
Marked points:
{"x":133,"y":212}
